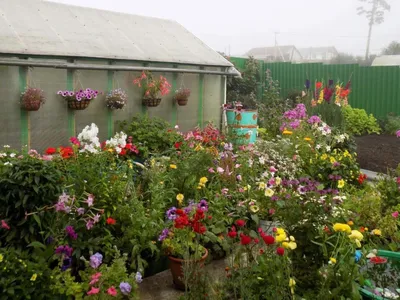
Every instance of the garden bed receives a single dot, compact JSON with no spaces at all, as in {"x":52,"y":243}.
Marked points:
{"x":378,"y":152}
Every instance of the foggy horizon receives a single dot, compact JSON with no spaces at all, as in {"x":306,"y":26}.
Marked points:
{"x":234,"y":27}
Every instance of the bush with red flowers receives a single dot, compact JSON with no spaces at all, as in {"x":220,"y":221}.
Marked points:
{"x":186,"y":230}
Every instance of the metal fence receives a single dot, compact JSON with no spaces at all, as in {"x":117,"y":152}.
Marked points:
{"x":375,"y":89}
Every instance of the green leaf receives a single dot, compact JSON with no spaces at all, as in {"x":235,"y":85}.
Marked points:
{"x":36,"y":245}
{"x":37,"y":219}
{"x":255,"y":219}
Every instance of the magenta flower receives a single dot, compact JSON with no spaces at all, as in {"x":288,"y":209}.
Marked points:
{"x":398,"y":133}
{"x":71,"y":232}
{"x":395,"y":214}
{"x":89,"y":224}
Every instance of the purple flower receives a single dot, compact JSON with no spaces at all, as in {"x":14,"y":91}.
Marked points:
{"x":96,"y":260}
{"x":163,"y":234}
{"x":125,"y":288}
{"x":71,"y":93}
{"x":67,"y":263}
{"x":78,"y":98}
{"x":65,"y":93}
{"x":80,"y":211}
{"x":60,"y":206}
{"x":308,"y":84}
{"x":67,"y":250}
{"x":71,"y":232}
{"x":96,"y":218}
{"x":274,"y":198}
{"x":89,"y":224}
{"x":314,"y":120}
{"x":295,"y":124}
{"x":138,"y":277}
{"x":89,"y":97}
{"x":239,"y":177}
{"x":90,"y":200}
{"x":330,"y":82}
{"x":171,"y":213}
{"x":59,"y":92}
{"x":398,"y":133}
{"x":203,"y":205}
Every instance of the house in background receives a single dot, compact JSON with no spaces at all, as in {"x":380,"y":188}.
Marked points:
{"x":387,"y":60}
{"x":318,"y":54}
{"x":278,"y":53}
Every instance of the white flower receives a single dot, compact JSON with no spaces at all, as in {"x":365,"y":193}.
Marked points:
{"x":328,"y":148}
{"x":261,"y":160}
{"x":6,"y":146}
{"x":118,"y":150}
{"x":8,"y":163}
{"x":12,"y":155}
{"x":318,"y":146}
{"x":3,"y":155}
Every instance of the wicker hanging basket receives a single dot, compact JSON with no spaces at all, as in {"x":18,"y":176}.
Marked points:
{"x":151,"y":102}
{"x":78,"y":105}
{"x":182,"y":101}
{"x":32,"y":105}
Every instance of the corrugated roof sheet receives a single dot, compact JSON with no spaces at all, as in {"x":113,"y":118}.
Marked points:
{"x":38,"y":27}
{"x":387,"y":60}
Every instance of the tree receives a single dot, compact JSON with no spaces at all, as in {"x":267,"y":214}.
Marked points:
{"x":392,"y":49}
{"x":375,"y":15}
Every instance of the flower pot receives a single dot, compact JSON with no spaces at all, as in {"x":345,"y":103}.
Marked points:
{"x":176,"y":267}
{"x":116,"y":105}
{"x":150,"y":102}
{"x":243,"y":125}
{"x":182,"y":101}
{"x":78,"y":105}
{"x":33,"y":105}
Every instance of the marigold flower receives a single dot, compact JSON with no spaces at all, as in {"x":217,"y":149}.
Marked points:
{"x":350,"y":223}
{"x":377,"y":232}
{"x":342,"y":227}
{"x":172,"y":166}
{"x":203,"y":180}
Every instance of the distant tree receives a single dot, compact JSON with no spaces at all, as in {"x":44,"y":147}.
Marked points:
{"x":392,"y":49}
{"x":375,"y":15}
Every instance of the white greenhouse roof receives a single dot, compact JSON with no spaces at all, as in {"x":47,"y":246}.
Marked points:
{"x":38,"y":27}
{"x":387,"y":60}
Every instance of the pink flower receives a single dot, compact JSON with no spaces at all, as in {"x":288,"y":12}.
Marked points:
{"x":112,"y":291}
{"x":89,"y":224}
{"x":398,"y":133}
{"x":93,"y":291}
{"x":271,"y":211}
{"x":220,"y":170}
{"x":239,"y":177}
{"x":90,"y":200}
{"x":241,"y":190}
{"x":211,"y":170}
{"x":4,"y":225}
{"x":273,"y":170}
{"x":224,"y":191}
{"x":395,"y":214}
{"x":237,"y":166}
{"x":47,"y":157}
{"x":95,"y":278}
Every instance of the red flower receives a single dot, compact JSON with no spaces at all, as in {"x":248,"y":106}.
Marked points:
{"x":244,"y":239}
{"x":181,"y":222}
{"x":377,"y":260}
{"x":111,"y":221}
{"x":123,"y":152}
{"x":318,"y":85}
{"x":256,"y":241}
{"x":261,"y":251}
{"x":50,"y":151}
{"x":268,"y":239}
{"x":180,"y":212}
{"x":209,"y":217}
{"x":240,"y":223}
{"x":66,"y":152}
{"x":361,"y":178}
{"x":232,"y":233}
{"x":199,"y":228}
{"x":177,"y":145}
{"x":4,"y":225}
{"x":280,"y":251}
{"x":327,"y":230}
{"x":199,"y":215}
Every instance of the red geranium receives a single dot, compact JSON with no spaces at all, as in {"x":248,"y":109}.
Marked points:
{"x":232,"y":233}
{"x":244,"y":239}
{"x":177,"y":145}
{"x":377,"y":260}
{"x":361,"y":178}
{"x":280,"y":251}
{"x":240,"y":223}
{"x":50,"y":151}
{"x":66,"y":152}
{"x":181,"y":222}
{"x":111,"y":221}
{"x":268,"y":239}
{"x":199,"y":228}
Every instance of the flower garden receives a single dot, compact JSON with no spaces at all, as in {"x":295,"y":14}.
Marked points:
{"x":292,"y":215}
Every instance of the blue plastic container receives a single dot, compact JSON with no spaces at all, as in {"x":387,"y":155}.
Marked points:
{"x":243,"y":124}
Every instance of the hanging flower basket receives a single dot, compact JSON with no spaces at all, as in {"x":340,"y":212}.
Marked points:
{"x":78,"y":100}
{"x":152,"y":88}
{"x":31,"y":99}
{"x":116,"y":99}
{"x":151,"y":102}
{"x":182,"y":96}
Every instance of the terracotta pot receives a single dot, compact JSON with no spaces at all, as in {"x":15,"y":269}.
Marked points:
{"x":31,"y":105}
{"x":78,"y":105}
{"x":151,"y":102}
{"x":182,"y":101}
{"x":176,"y":267}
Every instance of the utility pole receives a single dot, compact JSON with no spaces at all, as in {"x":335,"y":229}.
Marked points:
{"x":276,"y":46}
{"x":371,"y":23}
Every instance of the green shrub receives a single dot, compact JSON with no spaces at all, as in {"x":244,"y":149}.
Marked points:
{"x":392,"y":124}
{"x":358,"y":122}
{"x":330,"y":113}
{"x":150,"y":135}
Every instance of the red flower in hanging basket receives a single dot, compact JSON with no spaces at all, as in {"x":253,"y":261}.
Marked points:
{"x":377,"y":260}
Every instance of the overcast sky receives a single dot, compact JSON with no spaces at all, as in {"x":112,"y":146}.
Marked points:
{"x":236,"y":26}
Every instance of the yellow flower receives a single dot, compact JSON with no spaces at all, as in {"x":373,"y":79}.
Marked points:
{"x":346,"y":154}
{"x":332,"y":159}
{"x":280,"y":231}
{"x":152,"y":162}
{"x":287,"y":132}
{"x":198,"y":148}
{"x":278,"y":180}
{"x":262,"y":186}
{"x":350,"y":223}
{"x":34,"y":276}
{"x":307,"y":139}
{"x":173,"y":166}
{"x":1,"y":258}
{"x":203,"y":180}
{"x":269,"y":192}
{"x":340,"y":183}
{"x":324,"y":156}
{"x":342,"y":227}
{"x":254,"y":208}
{"x":292,"y":284}
{"x":377,"y":232}
{"x":180,"y":198}
{"x":130,"y":165}
{"x":281,"y":237}
{"x":332,"y":260}
{"x":289,"y":245}
{"x":356,"y":236}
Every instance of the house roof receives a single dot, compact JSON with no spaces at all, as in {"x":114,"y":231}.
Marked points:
{"x":387,"y":60}
{"x":307,"y":52}
{"x":270,"y":51}
{"x":36,"y":27}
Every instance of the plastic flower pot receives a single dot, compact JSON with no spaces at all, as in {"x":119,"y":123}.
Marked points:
{"x":151,"y":102}
{"x":394,"y":256}
{"x":176,"y":267}
{"x":243,"y":124}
